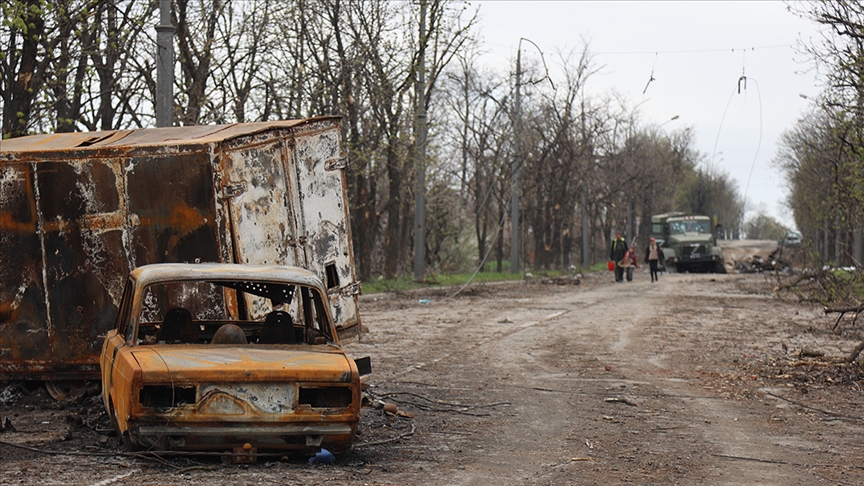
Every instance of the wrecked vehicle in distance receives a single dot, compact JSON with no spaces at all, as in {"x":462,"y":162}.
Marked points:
{"x":227,"y":357}
{"x":792,"y":239}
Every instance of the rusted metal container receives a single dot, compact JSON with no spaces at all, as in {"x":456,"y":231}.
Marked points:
{"x":79,"y":211}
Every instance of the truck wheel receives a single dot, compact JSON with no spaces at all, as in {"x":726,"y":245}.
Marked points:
{"x":62,"y":389}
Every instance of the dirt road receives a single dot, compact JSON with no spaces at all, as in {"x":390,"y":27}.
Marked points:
{"x":696,"y":379}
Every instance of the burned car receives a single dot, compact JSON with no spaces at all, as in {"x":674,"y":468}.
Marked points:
{"x":227,"y":357}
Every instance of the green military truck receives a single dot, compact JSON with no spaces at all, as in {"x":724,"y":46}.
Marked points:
{"x":688,"y":243}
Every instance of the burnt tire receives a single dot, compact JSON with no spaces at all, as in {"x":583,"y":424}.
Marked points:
{"x":67,"y":389}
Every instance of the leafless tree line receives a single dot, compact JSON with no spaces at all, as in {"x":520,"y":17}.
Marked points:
{"x":822,"y":154}
{"x":589,"y":164}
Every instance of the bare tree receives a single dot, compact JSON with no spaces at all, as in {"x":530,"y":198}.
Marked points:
{"x":28,"y":42}
{"x":479,"y":129}
{"x":813,"y":160}
{"x":196,"y":22}
{"x":592,"y":164}
{"x":840,"y":58}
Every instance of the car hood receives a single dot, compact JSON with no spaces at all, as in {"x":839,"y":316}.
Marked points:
{"x":690,"y":238}
{"x":209,"y":363}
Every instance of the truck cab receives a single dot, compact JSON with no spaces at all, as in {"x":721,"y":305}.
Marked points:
{"x":688,"y":243}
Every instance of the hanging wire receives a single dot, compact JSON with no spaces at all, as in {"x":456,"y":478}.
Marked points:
{"x":742,"y":79}
{"x":651,"y":77}
{"x":743,"y":70}
{"x":692,"y":51}
{"x":720,"y":129}
{"x":491,"y":243}
{"x":482,"y":262}
{"x":759,"y":144}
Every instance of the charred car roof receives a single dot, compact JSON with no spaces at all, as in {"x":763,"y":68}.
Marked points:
{"x":173,"y":272}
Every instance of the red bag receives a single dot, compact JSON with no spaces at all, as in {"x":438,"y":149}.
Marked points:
{"x":610,"y":266}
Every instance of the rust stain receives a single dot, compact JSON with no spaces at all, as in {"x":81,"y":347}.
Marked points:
{"x":8,"y":223}
{"x":105,"y":221}
{"x":182,"y":217}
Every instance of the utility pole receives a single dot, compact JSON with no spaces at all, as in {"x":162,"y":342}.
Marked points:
{"x":517,"y":166}
{"x":420,"y":179}
{"x":164,"y":66}
{"x":586,"y":243}
{"x":859,"y":247}
{"x":583,"y":198}
{"x":629,"y":230}
{"x":518,"y":157}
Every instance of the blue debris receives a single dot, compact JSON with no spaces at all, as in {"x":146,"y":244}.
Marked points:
{"x":323,"y":457}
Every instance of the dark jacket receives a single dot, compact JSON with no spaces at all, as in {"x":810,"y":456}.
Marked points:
{"x":619,"y":248}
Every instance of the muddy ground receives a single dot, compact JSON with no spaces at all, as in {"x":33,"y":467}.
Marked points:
{"x":696,"y":379}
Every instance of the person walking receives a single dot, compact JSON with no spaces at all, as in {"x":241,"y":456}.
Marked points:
{"x":616,"y":253}
{"x":628,"y":263}
{"x":652,"y":256}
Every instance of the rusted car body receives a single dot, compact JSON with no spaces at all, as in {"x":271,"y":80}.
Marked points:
{"x":166,"y":390}
{"x":79,"y":211}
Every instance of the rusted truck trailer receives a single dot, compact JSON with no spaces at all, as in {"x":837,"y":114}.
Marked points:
{"x":79,"y":211}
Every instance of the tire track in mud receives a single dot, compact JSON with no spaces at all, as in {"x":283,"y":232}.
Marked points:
{"x":488,"y":340}
{"x":692,"y":434}
{"x":644,"y":349}
{"x":522,"y":319}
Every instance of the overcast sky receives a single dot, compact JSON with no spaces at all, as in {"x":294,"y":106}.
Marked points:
{"x":697,"y":52}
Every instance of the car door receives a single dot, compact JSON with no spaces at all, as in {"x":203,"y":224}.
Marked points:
{"x":114,"y":340}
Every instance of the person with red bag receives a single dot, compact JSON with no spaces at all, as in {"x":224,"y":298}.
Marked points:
{"x":628,"y":263}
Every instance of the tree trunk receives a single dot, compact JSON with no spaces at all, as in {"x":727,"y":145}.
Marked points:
{"x":24,"y":86}
{"x":394,"y":246}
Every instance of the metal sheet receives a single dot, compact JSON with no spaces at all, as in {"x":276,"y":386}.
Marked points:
{"x":38,"y":145}
{"x":325,"y":233}
{"x":23,"y":313}
{"x":259,"y":205}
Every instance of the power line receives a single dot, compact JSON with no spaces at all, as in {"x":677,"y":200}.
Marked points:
{"x":677,"y":51}
{"x":695,"y":51}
